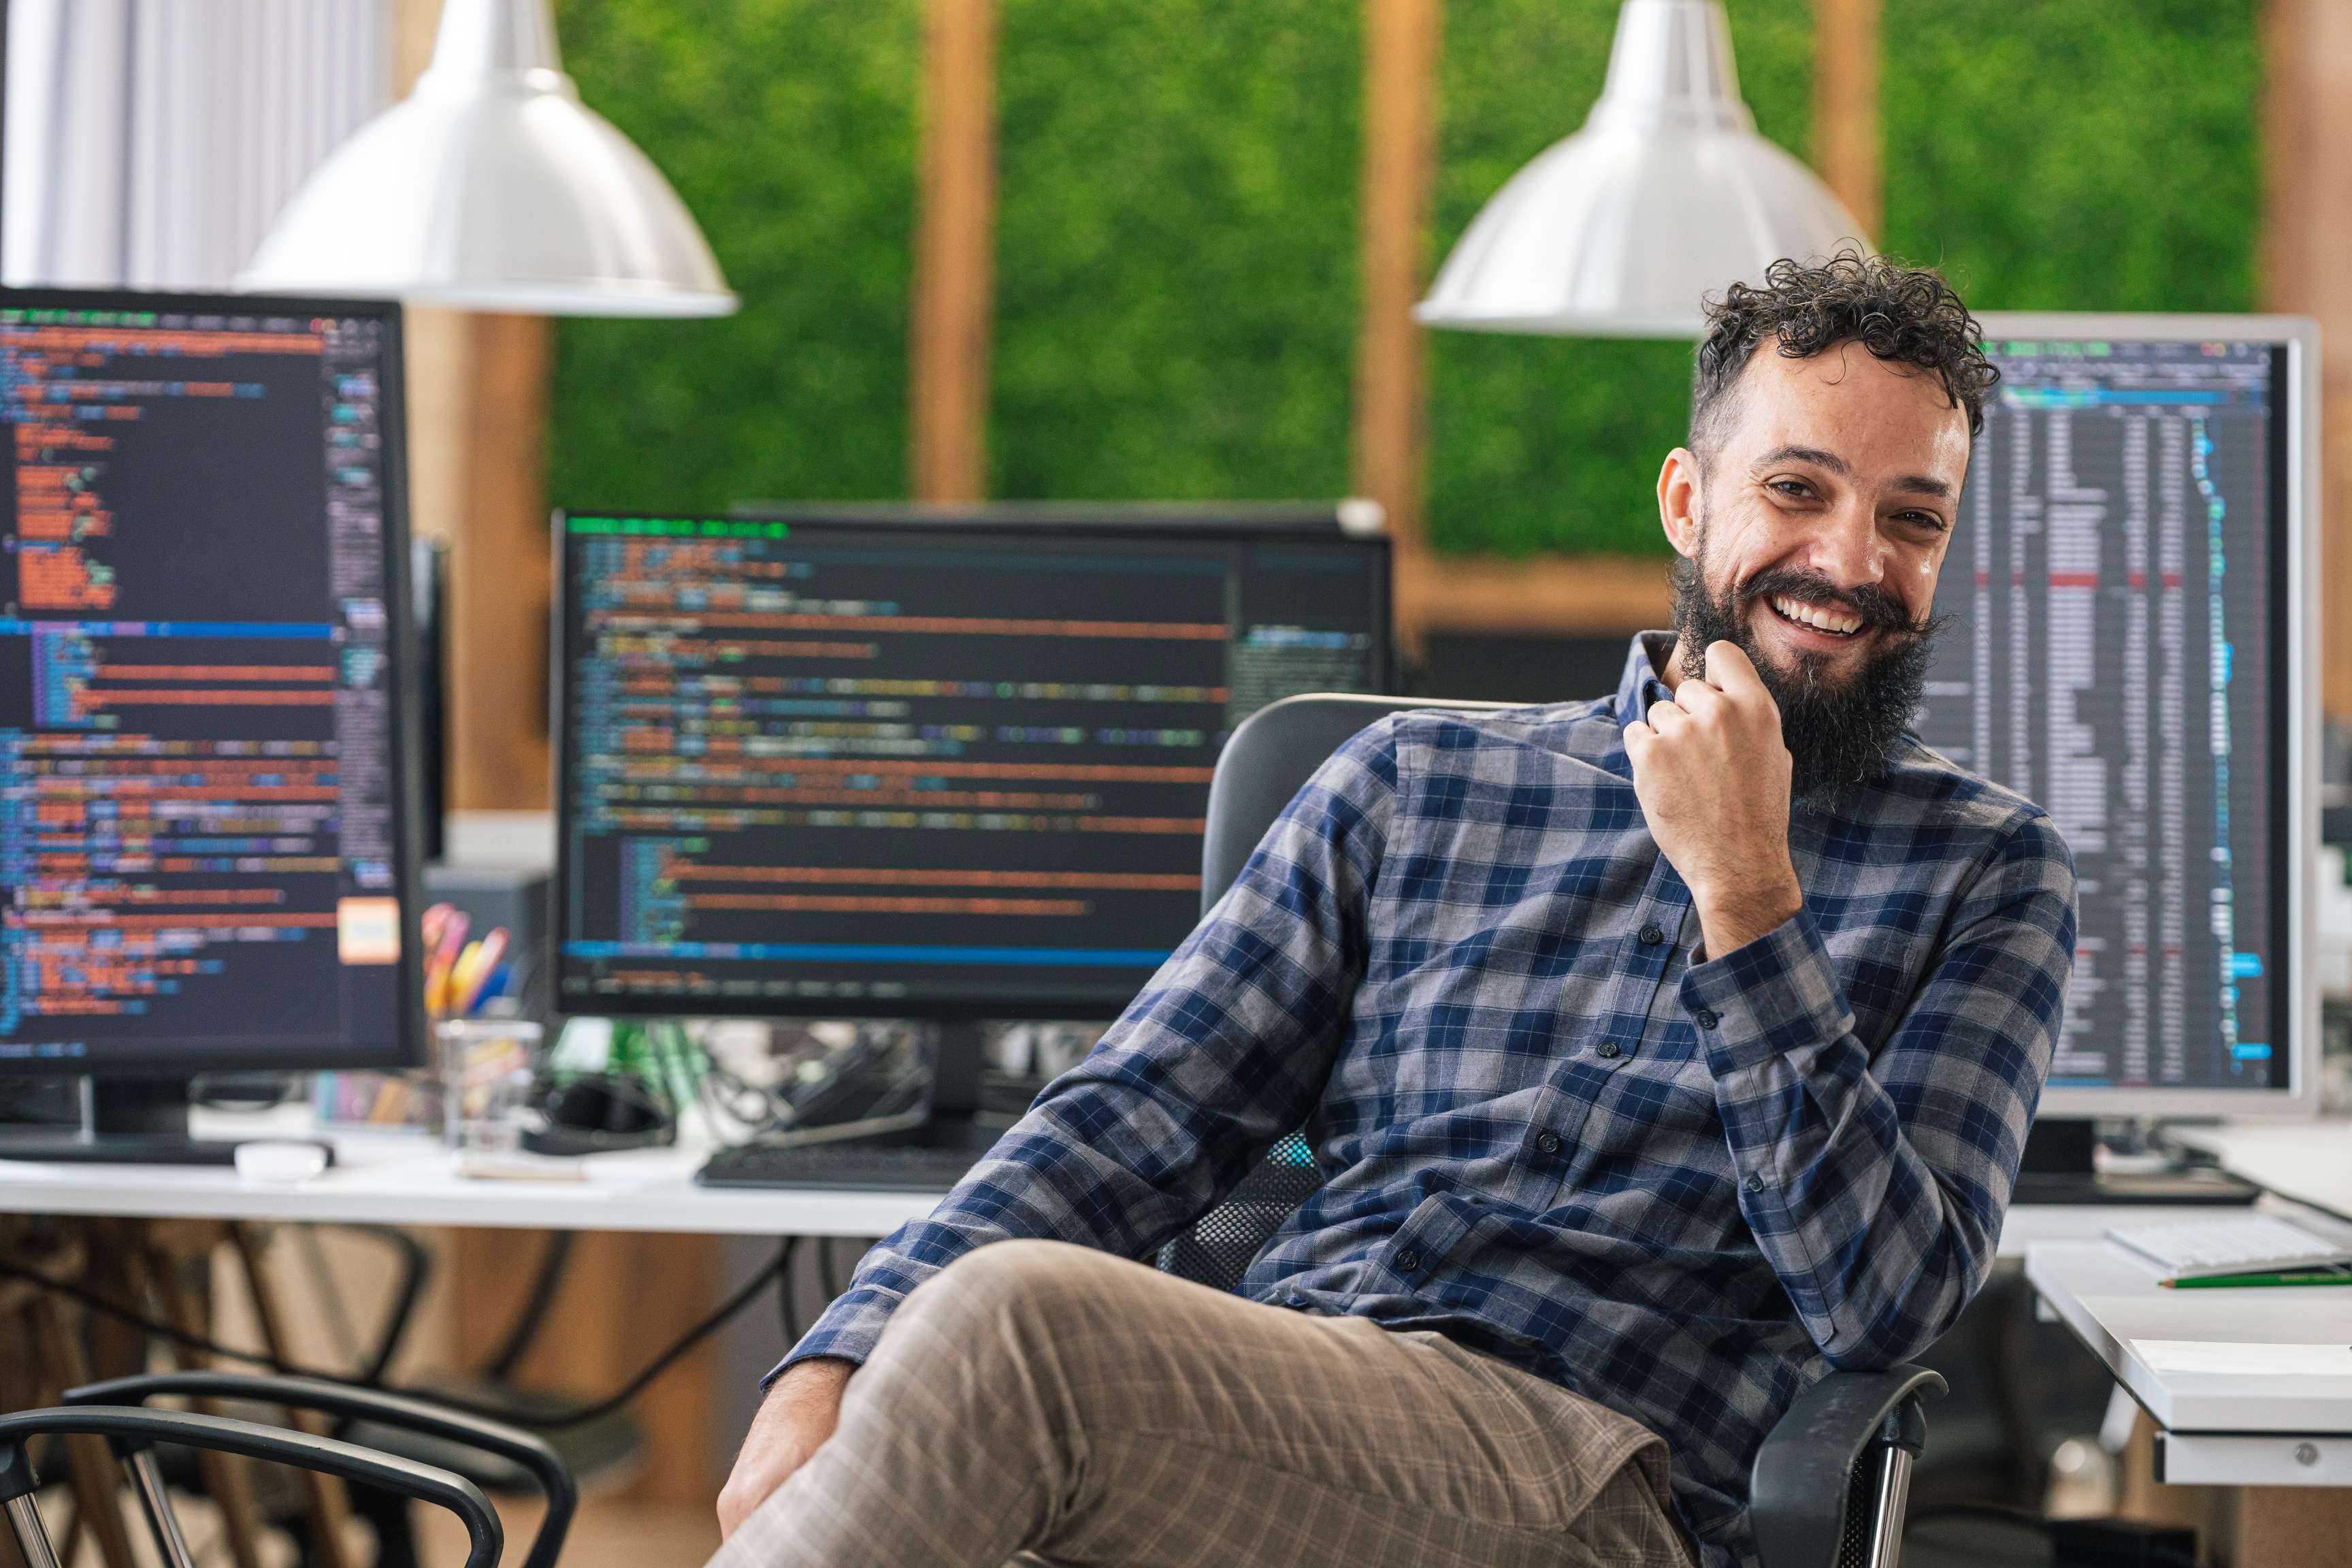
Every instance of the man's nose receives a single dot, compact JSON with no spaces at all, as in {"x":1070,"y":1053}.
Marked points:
{"x":1849,"y":550}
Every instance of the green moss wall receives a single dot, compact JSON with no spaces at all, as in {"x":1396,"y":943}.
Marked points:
{"x":1177,"y":236}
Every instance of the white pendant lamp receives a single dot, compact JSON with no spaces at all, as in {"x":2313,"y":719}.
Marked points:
{"x":492,"y":187}
{"x":1666,"y":195}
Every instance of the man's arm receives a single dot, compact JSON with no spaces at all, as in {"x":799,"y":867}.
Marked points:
{"x":1875,"y":1188}
{"x":1225,"y":1050}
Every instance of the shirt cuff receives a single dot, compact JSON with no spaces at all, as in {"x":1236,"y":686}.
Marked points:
{"x":846,"y":1331}
{"x":1776,"y":994}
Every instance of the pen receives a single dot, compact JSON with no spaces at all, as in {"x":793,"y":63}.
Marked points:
{"x":2336,"y":1274}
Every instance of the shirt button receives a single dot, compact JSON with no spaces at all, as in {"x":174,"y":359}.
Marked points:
{"x":1754,"y":1184}
{"x":1548,"y":1143}
{"x":1654,"y":933}
{"x":1606,"y":1050}
{"x":1706,"y":1019}
{"x":1408,"y":1260}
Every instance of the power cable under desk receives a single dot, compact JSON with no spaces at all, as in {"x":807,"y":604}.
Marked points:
{"x":778,"y":1268}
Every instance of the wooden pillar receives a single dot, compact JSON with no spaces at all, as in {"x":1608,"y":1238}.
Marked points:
{"x":955,"y":237}
{"x":1846,"y":138}
{"x":1400,"y":42}
{"x":477,"y":399}
{"x":2307,"y":234}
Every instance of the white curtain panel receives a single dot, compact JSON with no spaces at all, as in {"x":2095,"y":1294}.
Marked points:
{"x":149,"y":143}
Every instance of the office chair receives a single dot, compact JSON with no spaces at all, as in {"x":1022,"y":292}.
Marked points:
{"x":1828,"y":1487}
{"x":116,"y":1411}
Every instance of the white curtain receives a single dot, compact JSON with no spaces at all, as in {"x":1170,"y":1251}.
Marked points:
{"x":150,"y":142}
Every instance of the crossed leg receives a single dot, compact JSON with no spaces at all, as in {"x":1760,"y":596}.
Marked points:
{"x":1045,"y":1398}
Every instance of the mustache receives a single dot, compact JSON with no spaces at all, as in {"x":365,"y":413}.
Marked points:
{"x":1874,"y":605}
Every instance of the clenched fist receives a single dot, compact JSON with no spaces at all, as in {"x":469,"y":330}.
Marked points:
{"x":1713,"y":779}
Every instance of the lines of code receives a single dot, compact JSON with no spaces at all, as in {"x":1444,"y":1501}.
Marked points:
{"x":836,"y":762}
{"x":196,"y":805}
{"x":2112,"y":594}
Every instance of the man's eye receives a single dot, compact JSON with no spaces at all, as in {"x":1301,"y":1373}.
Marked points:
{"x":1796,"y":489}
{"x":1924,"y":519}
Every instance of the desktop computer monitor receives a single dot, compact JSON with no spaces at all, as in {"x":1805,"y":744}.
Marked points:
{"x":2133,"y":596}
{"x":885,"y":763}
{"x":206,"y":785}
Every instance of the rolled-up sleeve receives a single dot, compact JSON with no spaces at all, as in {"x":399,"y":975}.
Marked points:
{"x":1875,"y":1185}
{"x":1227,"y":1048}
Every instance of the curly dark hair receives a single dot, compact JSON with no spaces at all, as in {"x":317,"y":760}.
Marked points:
{"x":1907,"y":315}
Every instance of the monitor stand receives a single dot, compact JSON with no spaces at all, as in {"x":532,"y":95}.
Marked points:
{"x":953,"y":1122}
{"x":2058,"y":1168}
{"x":126,"y":1121}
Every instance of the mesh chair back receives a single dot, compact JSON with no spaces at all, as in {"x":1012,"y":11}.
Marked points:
{"x":1268,"y":758}
{"x":1219,"y":1248}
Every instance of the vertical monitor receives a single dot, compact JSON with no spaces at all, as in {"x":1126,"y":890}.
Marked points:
{"x":2127,"y":645}
{"x":905,"y":766}
{"x":202,"y":830}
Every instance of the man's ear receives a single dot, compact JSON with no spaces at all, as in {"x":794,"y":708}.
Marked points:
{"x":1678,"y":501}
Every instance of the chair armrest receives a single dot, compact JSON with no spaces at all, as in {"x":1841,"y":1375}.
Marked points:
{"x":132,"y":1430}
{"x":1796,"y":1490}
{"x":350,"y":1403}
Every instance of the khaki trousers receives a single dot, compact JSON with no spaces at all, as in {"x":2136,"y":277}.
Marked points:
{"x":1038,"y":1398}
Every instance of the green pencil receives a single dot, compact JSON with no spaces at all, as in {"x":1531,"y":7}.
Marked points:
{"x":2334,"y":1274}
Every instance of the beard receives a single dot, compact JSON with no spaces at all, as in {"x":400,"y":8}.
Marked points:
{"x":1838,"y":732}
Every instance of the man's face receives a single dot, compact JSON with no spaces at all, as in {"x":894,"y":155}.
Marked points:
{"x":1833,"y":490}
{"x":1813,"y":536}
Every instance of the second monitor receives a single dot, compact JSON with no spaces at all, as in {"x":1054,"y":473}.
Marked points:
{"x":898,"y":764}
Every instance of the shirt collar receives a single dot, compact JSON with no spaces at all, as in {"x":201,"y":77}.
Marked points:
{"x":1640,"y":685}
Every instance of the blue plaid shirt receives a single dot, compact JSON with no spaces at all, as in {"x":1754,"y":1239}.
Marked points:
{"x":1680,"y":1184}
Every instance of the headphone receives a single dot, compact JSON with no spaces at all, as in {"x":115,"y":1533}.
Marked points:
{"x":598,"y":1113}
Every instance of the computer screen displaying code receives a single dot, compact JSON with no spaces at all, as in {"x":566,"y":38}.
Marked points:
{"x":809,"y":765}
{"x":198,"y":737}
{"x":2115,"y":591}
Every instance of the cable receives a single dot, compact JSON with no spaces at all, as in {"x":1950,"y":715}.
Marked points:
{"x":2161,"y":1135}
{"x":579,"y":1415}
{"x":525,"y":1327}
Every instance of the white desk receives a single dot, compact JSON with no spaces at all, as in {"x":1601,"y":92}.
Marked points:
{"x":402,"y":1178}
{"x":405,"y":1178}
{"x":2288,"y":1428}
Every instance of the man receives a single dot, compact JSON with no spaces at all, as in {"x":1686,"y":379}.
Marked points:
{"x":1661,"y":1052}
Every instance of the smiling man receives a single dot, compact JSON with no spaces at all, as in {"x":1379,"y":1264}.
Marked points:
{"x":1660,"y":1051}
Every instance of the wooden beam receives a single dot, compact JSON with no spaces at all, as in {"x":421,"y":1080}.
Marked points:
{"x":478,"y":393}
{"x":2306,"y":232}
{"x":478,"y":400}
{"x":1401,"y":43}
{"x":954,"y":254}
{"x":1846,"y":137}
{"x":1545,"y":595}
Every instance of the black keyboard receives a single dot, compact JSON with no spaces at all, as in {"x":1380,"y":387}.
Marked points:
{"x":850,"y":1165}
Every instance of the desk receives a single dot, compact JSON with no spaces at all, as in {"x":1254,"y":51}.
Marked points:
{"x":395,"y":1177}
{"x":2285,"y":1437}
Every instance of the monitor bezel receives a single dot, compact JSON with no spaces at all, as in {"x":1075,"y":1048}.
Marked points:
{"x":408,"y":1049}
{"x":1108,"y":519}
{"x":2295,"y":553}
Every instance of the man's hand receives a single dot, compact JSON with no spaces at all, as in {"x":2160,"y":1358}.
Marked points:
{"x":798,"y":1415}
{"x":1713,"y":778}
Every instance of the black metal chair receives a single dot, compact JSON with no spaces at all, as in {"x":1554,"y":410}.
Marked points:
{"x":115,"y":1410}
{"x":1828,"y":1487}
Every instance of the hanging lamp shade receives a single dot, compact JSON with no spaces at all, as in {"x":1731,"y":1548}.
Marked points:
{"x":492,"y":187}
{"x":1665,"y":195}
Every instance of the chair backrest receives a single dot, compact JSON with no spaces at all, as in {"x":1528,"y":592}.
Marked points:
{"x":1274,"y":753}
{"x":1268,"y":758}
